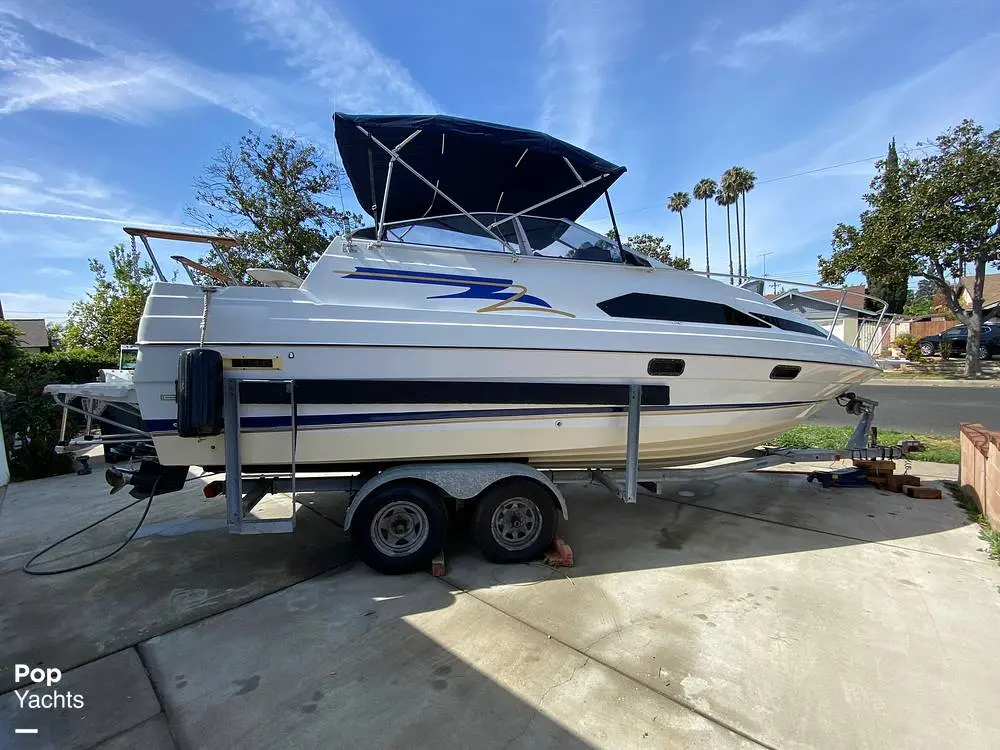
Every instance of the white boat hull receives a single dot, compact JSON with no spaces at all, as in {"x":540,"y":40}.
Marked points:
{"x":718,"y":406}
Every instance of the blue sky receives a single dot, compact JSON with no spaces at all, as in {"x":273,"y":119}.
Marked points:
{"x":109,"y":109}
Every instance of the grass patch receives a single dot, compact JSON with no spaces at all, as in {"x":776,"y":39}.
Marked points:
{"x":986,"y":532}
{"x":937,"y":448}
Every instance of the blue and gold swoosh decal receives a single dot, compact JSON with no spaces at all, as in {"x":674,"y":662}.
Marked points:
{"x":504,"y":293}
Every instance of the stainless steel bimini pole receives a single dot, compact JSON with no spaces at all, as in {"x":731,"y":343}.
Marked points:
{"x":435,"y":188}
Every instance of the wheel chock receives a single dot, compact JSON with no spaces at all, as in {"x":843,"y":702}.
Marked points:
{"x":561,"y":554}
{"x":438,"y":567}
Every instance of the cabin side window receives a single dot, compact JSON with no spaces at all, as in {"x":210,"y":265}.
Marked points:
{"x":556,"y":238}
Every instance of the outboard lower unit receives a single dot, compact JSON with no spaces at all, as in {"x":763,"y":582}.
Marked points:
{"x":151,"y":478}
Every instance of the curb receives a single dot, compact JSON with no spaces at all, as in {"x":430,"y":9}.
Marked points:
{"x":934,"y":382}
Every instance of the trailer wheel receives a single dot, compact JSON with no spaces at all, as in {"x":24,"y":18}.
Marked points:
{"x":399,"y":528}
{"x":514,"y":521}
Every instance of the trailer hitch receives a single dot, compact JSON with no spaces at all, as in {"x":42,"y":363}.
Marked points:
{"x":864,"y":408}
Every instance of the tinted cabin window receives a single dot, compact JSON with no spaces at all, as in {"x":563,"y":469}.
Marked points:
{"x":791,"y":325}
{"x":676,"y":309}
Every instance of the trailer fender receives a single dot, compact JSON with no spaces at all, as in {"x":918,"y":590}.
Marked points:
{"x":460,"y":481}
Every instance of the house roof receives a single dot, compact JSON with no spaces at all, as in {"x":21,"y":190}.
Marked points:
{"x":991,"y":288}
{"x":854,"y":300}
{"x":33,"y":332}
{"x":855,"y":296}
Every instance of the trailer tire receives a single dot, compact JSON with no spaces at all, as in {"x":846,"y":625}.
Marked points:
{"x":514,"y":521}
{"x":399,"y":528}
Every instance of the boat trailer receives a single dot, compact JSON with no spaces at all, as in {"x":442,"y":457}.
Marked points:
{"x":397,"y":517}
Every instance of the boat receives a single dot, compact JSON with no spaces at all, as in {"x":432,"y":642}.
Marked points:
{"x":474,"y":319}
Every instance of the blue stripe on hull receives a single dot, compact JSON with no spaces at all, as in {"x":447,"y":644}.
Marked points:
{"x":321,"y":420}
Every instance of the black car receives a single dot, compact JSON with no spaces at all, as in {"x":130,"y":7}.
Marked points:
{"x":989,"y":341}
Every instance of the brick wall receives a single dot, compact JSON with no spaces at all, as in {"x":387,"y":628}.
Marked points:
{"x":979,"y":470}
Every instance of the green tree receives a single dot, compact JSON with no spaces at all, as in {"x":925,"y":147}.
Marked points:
{"x":703,"y":191}
{"x":729,"y":184}
{"x":677,"y":203}
{"x":740,"y":181}
{"x":893,"y":288}
{"x":55,"y":332}
{"x":727,"y":199}
{"x":946,"y":217}
{"x":653,"y":246}
{"x":110,"y":314}
{"x":921,"y":300}
{"x":10,"y":352}
{"x":274,"y":196}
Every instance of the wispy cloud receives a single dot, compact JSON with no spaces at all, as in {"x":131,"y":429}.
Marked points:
{"x":812,"y":29}
{"x":34,"y":305}
{"x":56,"y":196}
{"x":19,"y":174}
{"x":794,"y":218}
{"x":53,"y":271}
{"x":117,"y":76}
{"x":582,"y":43}
{"x":332,"y":54}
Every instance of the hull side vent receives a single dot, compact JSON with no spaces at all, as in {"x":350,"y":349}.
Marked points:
{"x":666,"y":367}
{"x":785,"y":372}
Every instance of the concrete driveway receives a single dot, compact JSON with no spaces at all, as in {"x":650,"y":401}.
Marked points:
{"x":757,"y":611}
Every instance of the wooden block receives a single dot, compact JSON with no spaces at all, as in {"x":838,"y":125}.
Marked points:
{"x":922,"y":493}
{"x":878,"y":482}
{"x":438,"y":566}
{"x":897,"y":482}
{"x":876,"y":467}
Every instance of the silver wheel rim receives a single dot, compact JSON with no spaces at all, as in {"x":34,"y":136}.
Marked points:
{"x":516,"y":523}
{"x":983,"y":351}
{"x":927,"y":350}
{"x":399,"y":528}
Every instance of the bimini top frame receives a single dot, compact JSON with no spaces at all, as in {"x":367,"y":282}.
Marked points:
{"x":472,"y":167}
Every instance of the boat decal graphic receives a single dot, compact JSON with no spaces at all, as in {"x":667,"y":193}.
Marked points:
{"x":504,"y":294}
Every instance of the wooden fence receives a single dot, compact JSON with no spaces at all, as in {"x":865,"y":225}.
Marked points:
{"x":891,"y":327}
{"x":930,"y":327}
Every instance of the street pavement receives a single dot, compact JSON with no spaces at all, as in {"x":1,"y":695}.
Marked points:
{"x":924,"y":408}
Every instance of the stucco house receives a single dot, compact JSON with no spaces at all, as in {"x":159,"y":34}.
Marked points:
{"x":991,"y":292}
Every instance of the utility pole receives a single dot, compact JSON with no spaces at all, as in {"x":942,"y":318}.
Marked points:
{"x":763,"y":256}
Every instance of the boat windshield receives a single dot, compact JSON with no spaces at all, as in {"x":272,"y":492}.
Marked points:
{"x":529,"y":235}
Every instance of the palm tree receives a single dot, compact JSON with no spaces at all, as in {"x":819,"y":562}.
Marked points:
{"x":728,"y":184}
{"x":746,"y":180}
{"x":677,"y":203}
{"x":704,"y":190}
{"x":727,"y":198}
